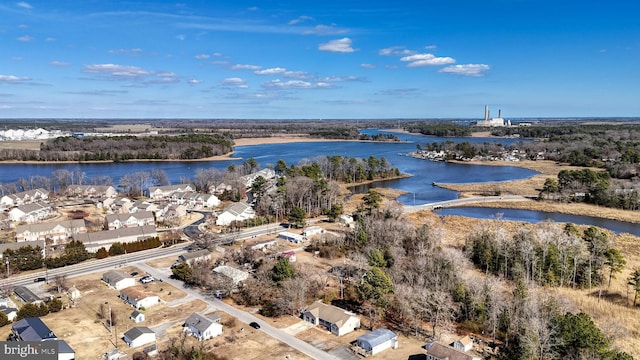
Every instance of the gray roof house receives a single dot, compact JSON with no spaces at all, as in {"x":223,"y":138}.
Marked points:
{"x":338,"y":321}
{"x":139,"y":336}
{"x":25,"y":295}
{"x":377,"y":341}
{"x":437,"y":351}
{"x":199,"y":255}
{"x":32,"y":329}
{"x":201,"y":327}
{"x":118,"y":279}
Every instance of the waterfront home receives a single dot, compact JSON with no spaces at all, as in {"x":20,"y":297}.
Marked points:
{"x":266,"y":173}
{"x":118,"y":280}
{"x":91,"y":191}
{"x":58,"y":232}
{"x":139,"y":297}
{"x":117,"y":221}
{"x":25,"y":197}
{"x":239,"y":211}
{"x":338,"y":321}
{"x":377,"y":341}
{"x":93,"y":241}
{"x":164,"y":192}
{"x":139,"y":336}
{"x":195,"y":200}
{"x":31,"y":213}
{"x":201,"y":327}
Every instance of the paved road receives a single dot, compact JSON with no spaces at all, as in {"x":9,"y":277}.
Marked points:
{"x":458,"y":202}
{"x":241,"y":315}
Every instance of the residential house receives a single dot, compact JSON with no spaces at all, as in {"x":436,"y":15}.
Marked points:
{"x":266,"y":173}
{"x":139,"y":336}
{"x":34,"y":329}
{"x":121,"y":206}
{"x":30,"y":213}
{"x":377,"y":341}
{"x":194,"y":256}
{"x":463,"y":344}
{"x":139,"y":297}
{"x":338,"y":321}
{"x":58,"y":232}
{"x":235,"y":212}
{"x":27,"y":296}
{"x":201,"y":327}
{"x":11,"y":312}
{"x":437,"y":351}
{"x":25,"y":197}
{"x":91,"y":191}
{"x":137,"y":316}
{"x":140,"y":206}
{"x":235,"y":275}
{"x":5,"y":301}
{"x":289,"y":255}
{"x":220,"y":188}
{"x":172,"y":211}
{"x":118,"y":280}
{"x":291,"y":237}
{"x":93,"y":241}
{"x":263,"y":245}
{"x":312,"y":230}
{"x":195,"y":200}
{"x":117,"y":221}
{"x":164,"y":192}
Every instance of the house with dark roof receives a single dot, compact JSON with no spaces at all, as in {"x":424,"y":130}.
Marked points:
{"x":10,"y":312}
{"x":93,"y":241}
{"x":137,"y":316}
{"x":377,"y":341}
{"x":201,"y":327}
{"x":139,"y":336}
{"x":26,"y":296}
{"x":32,"y":329}
{"x":338,"y":321}
{"x":195,"y":256}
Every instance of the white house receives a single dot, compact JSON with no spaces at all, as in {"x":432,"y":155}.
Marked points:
{"x":164,"y":192}
{"x":117,"y":221}
{"x":141,"y":206}
{"x":58,"y":232}
{"x":266,"y":173}
{"x":30,"y":213}
{"x":236,"y":275}
{"x":291,"y":237}
{"x":139,"y":297}
{"x":463,"y":344}
{"x":10,"y":312}
{"x":118,"y":280}
{"x":24,"y":197}
{"x":235,"y":212}
{"x":338,"y":321}
{"x":345,"y":219}
{"x":91,"y":191}
{"x":139,"y":336}
{"x":312,"y":230}
{"x":377,"y":341}
{"x":195,"y":200}
{"x":201,"y":327}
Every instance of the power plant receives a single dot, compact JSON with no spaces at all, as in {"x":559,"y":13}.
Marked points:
{"x":493,"y":122}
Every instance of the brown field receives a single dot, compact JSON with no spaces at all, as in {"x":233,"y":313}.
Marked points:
{"x":21,"y":144}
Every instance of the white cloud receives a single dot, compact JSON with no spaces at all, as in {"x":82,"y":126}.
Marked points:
{"x":194,"y":81}
{"x":324,"y":30}
{"x":272,"y":71}
{"x":466,"y":69}
{"x":23,"y":26}
{"x":202,"y":56}
{"x":235,"y":83}
{"x":340,"y":45}
{"x":300,"y":19}
{"x":417,"y":60}
{"x":24,"y":5}
{"x":50,"y":39}
{"x":25,"y":38}
{"x":395,"y":51}
{"x":181,"y":37}
{"x":295,"y":84}
{"x":245,"y":67}
{"x":430,"y":47}
{"x":367,"y":66}
{"x":59,"y":63}
{"x":329,"y":79}
{"x":12,"y":79}
{"x":130,"y":52}
{"x":166,"y":77}
{"x":119,"y":71}
{"x":253,"y":8}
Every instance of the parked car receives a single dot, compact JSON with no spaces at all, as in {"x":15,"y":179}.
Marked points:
{"x":254,"y":325}
{"x":134,"y":273}
{"x":146,"y":279}
{"x":39,"y":279}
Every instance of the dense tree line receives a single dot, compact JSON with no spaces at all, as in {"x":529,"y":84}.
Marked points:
{"x":441,"y":129}
{"x":123,"y":148}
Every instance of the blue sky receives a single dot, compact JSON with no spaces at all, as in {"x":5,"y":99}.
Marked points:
{"x":318,"y":60}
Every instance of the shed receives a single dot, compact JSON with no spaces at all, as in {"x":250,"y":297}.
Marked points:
{"x":377,"y":341}
{"x":137,"y":316}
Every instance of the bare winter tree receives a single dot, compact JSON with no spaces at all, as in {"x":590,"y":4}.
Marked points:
{"x":60,"y":282}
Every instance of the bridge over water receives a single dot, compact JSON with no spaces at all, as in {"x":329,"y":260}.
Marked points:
{"x":462,"y":201}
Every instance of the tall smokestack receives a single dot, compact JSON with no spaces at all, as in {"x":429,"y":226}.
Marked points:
{"x":499,"y":113}
{"x":486,"y":112}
